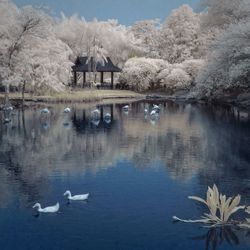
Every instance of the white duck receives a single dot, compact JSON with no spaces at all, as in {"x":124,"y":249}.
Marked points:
{"x":107,"y":116}
{"x":67,"y":110}
{"x":9,"y":108}
{"x":79,"y":197}
{"x":96,"y":122}
{"x":7,"y":120}
{"x":125,"y":108}
{"x":156,"y":107}
{"x":45,"y":111}
{"x":154,"y":113}
{"x":51,"y":209}
{"x":145,"y":111}
{"x":96,"y":113}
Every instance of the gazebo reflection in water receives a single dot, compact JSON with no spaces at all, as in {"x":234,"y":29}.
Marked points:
{"x":84,"y":122}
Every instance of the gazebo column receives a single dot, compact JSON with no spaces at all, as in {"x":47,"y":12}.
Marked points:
{"x":83,"y":79}
{"x":112,"y":80}
{"x":75,"y":78}
{"x":101,"y":108}
{"x":102,"y":77}
{"x":112,"y":111}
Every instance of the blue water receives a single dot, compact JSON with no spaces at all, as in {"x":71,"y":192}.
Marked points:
{"x":138,"y":172}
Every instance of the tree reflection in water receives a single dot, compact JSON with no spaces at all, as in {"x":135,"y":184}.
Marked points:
{"x":210,"y":143}
{"x":215,"y":237}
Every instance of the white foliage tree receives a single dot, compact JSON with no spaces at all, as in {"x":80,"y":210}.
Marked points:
{"x":141,"y":73}
{"x":146,"y":33}
{"x":222,"y":13}
{"x":179,"y":39}
{"x":227,"y":67}
{"x":82,"y":36}
{"x":28,"y":46}
{"x":178,"y":79}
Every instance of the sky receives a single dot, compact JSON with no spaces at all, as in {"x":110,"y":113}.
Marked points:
{"x":125,"y":11}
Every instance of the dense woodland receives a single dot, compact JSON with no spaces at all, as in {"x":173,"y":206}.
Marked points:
{"x":206,"y":53}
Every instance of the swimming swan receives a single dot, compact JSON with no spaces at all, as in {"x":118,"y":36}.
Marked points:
{"x":107,"y":118}
{"x":95,"y":114}
{"x":67,"y":110}
{"x":125,"y":108}
{"x":154,"y":113}
{"x":9,"y":108}
{"x":45,"y":111}
{"x":51,"y":209}
{"x":156,"y":107}
{"x":79,"y":197}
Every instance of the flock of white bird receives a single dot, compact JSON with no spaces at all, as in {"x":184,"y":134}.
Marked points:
{"x":95,"y":117}
{"x":55,"y":208}
{"x":96,"y":114}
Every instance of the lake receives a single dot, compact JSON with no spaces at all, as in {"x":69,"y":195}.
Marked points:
{"x":138,"y":171}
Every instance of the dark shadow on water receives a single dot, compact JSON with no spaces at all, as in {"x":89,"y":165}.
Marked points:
{"x":215,"y":237}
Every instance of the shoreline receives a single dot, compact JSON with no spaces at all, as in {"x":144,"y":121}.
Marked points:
{"x":92,"y":96}
{"x":86,"y":96}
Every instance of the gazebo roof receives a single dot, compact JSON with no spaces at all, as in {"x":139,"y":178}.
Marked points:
{"x":81,"y":65}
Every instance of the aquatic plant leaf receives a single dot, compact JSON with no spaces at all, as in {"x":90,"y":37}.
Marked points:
{"x":233,"y":207}
{"x":248,"y":210}
{"x":175,"y":218}
{"x":217,"y":202}
{"x":212,"y":218}
{"x":197,"y":199}
{"x":213,"y":199}
{"x":225,"y":208}
{"x":216,"y":194}
{"x":244,"y":225}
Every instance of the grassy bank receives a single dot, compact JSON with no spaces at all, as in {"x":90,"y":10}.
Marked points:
{"x":77,"y":96}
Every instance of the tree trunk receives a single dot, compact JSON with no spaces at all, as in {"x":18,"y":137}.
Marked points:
{"x":23,"y":90}
{"x":6,"y":97}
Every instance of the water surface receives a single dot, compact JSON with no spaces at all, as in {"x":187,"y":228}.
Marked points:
{"x":138,"y":172}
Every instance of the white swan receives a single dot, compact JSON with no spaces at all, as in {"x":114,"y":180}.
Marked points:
{"x":9,"y":108}
{"x":7,"y":120}
{"x":107,"y":118}
{"x":156,"y":107}
{"x":51,"y":209}
{"x":79,"y":197}
{"x":154,"y":113}
{"x":96,"y":114}
{"x":67,"y":110}
{"x":45,"y":111}
{"x":95,"y":122}
{"x":125,"y":108}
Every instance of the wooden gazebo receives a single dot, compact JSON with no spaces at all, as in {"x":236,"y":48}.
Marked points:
{"x":82,"y":66}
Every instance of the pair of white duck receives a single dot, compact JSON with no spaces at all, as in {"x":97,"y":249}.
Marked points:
{"x":47,"y":111}
{"x":55,"y":208}
{"x":155,"y":111}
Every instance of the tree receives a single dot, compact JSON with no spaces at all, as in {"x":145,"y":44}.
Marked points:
{"x":140,"y":73}
{"x":228,"y":66}
{"x":147,"y":33}
{"x":27,"y":36}
{"x":96,"y":54}
{"x":179,"y":39}
{"x":222,"y":13}
{"x":25,"y":24}
{"x":81,"y":36}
